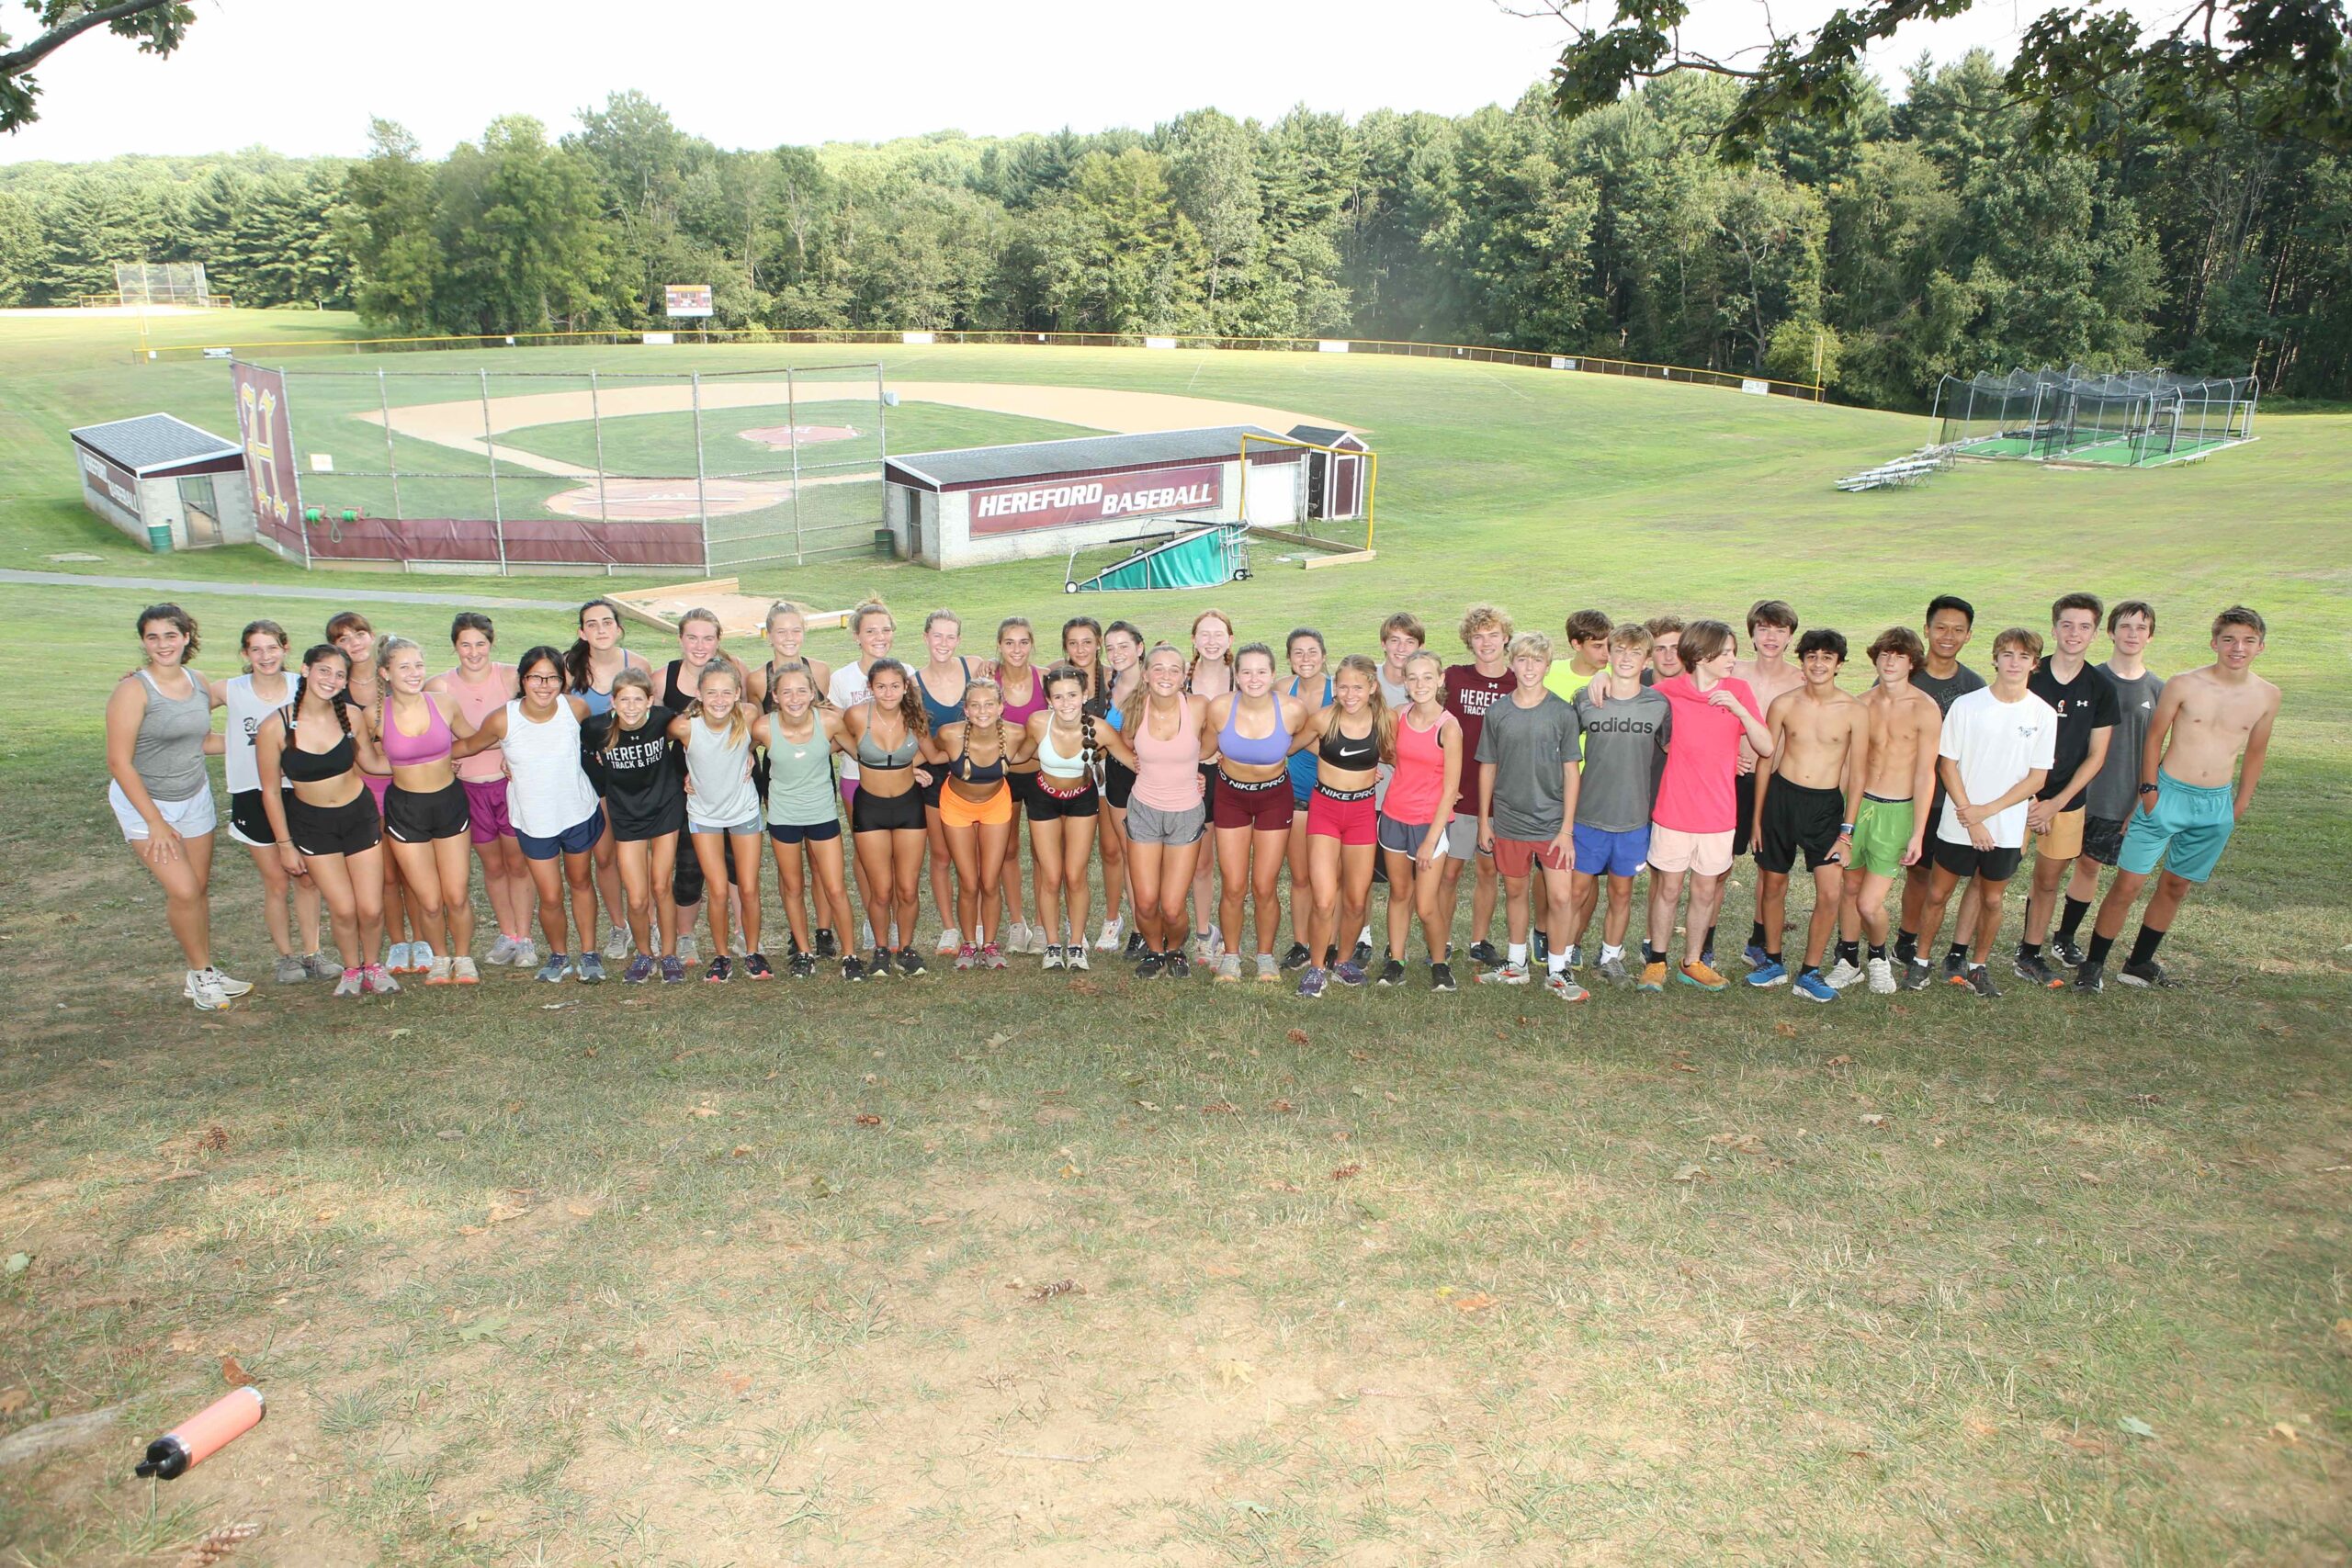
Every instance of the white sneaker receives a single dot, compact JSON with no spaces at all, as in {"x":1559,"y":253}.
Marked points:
{"x":950,"y":941}
{"x":203,"y":988}
{"x":437,"y":972}
{"x":688,"y":953}
{"x":420,"y":957}
{"x":1882,"y":976}
{"x":1075,"y":957}
{"x":1111,"y":938}
{"x":1215,"y":948}
{"x":867,"y":944}
{"x":616,"y":943}
{"x":464,"y":973}
{"x":396,"y":958}
{"x":230,"y":989}
{"x":526,"y":955}
{"x":500,"y":950}
{"x":1843,"y":975}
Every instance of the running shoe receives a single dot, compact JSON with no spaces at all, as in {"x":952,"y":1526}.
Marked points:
{"x":950,"y":939}
{"x":348,"y":984}
{"x":396,"y":958}
{"x":721,"y":970}
{"x":866,"y":933}
{"x":1485,"y":953}
{"x":557,"y":966}
{"x":1442,"y":976}
{"x":1562,"y":986}
{"x":801,"y":965}
{"x":673,"y":970}
{"x":1179,"y":967}
{"x":1109,"y":940}
{"x":688,"y":953}
{"x":379,"y":981}
{"x":1845,"y":973}
{"x":1754,"y":957}
{"x":1074,"y":957}
{"x":1297,"y":956}
{"x":1980,"y":980}
{"x":878,"y":966}
{"x":1917,"y":973}
{"x":1653,"y":977}
{"x":1539,"y":947}
{"x":1392,"y":973}
{"x":590,"y":970}
{"x":1509,"y":974}
{"x":2069,"y":956}
{"x":1360,"y":955}
{"x":204,"y":991}
{"x":1955,"y":968}
{"x":1217,"y":940}
{"x":526,"y":955}
{"x":1810,"y":986}
{"x":1310,"y":985}
{"x":290,"y":971}
{"x":500,"y":950}
{"x":420,"y":957}
{"x":1135,"y":946}
{"x":1150,"y":967}
{"x":1882,"y":974}
{"x":853,"y":970}
{"x":911,"y":962}
{"x":2030,"y":968}
{"x":616,"y":941}
{"x":2090,"y":978}
{"x":1269,"y":972}
{"x":463,"y":972}
{"x":1702,"y":975}
{"x":1331,"y":955}
{"x":1707,"y":957}
{"x":1053,"y":956}
{"x":2149,"y":976}
{"x":755,"y":968}
{"x":1614,"y":971}
{"x":1207,"y":947}
{"x":1228,"y":969}
{"x":1348,"y":974}
{"x":966,"y":956}
{"x":1576,"y":955}
{"x":991,"y":956}
{"x":322,"y":967}
{"x":640,"y":970}
{"x":828,"y":944}
{"x":1764,"y":976}
{"x":437,"y":972}
{"x":230,"y":989}
{"x":1016,"y":936}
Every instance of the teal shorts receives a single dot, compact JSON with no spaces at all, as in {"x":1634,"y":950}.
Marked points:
{"x":2186,"y":831}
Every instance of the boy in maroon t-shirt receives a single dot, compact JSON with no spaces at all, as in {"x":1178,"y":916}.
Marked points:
{"x":1470,"y":690}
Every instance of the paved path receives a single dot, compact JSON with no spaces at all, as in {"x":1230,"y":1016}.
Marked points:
{"x":354,"y":589}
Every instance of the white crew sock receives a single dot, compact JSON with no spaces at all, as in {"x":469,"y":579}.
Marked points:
{"x":1519,"y":952}
{"x":1607,"y":953}
{"x":1556,"y":963}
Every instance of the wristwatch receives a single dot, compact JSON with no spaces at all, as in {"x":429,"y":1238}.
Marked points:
{"x":2147,"y":789}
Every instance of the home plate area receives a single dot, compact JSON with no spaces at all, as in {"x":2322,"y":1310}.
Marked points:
{"x":779,"y":437}
{"x":656,"y":501}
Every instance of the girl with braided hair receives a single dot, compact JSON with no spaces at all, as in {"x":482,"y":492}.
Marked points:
{"x":1085,"y":649}
{"x":323,"y":815}
{"x":1063,"y":810}
{"x":885,"y":733}
{"x":974,"y":757}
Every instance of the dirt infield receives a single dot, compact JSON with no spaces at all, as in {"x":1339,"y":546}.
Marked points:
{"x":661,"y":500}
{"x":779,"y":437}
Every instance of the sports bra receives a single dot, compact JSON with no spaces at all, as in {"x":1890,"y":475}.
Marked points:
{"x":871,"y":755}
{"x":404,"y":750}
{"x":970,"y":772}
{"x":943,"y":713}
{"x":1018,"y":714}
{"x":1354,"y":753}
{"x":313,"y":767}
{"x":1060,"y":764}
{"x":1253,"y":751}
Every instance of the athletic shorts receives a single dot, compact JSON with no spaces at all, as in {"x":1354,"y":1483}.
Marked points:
{"x":749,"y":827}
{"x":1347,"y":815}
{"x":248,"y":823}
{"x":577,"y":840}
{"x":2065,"y":839}
{"x":806,"y":832}
{"x":1118,"y":782}
{"x":424,"y":817}
{"x":1709,"y":854}
{"x":486,"y":810}
{"x":670,"y":819}
{"x":1265,"y":808}
{"x":955,"y":811}
{"x":1047,"y":805}
{"x":1023,"y":787}
{"x":2103,"y":838}
{"x":2186,"y":831}
{"x":1516,"y":858}
{"x":929,"y":793}
{"x":871,"y":813}
{"x":1965,"y":861}
{"x":1881,"y":832}
{"x":1743,"y":787}
{"x":1152,"y":825}
{"x":1462,"y":836}
{"x":1797,"y":818}
{"x":351,"y":829}
{"x":1601,"y":852}
{"x":1405,"y":838}
{"x":378,"y":784}
{"x":190,"y":819}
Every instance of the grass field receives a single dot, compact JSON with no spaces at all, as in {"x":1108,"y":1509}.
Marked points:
{"x":754,"y":1275}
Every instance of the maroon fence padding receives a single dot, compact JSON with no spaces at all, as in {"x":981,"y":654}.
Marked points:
{"x":529,"y":540}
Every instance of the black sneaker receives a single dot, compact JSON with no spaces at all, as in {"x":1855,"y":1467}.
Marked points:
{"x":1361,"y":954}
{"x":791,"y":947}
{"x":1331,"y":955}
{"x":2150,"y":974}
{"x":801,"y":965}
{"x":1539,"y":947}
{"x":1150,"y":967}
{"x":1485,"y":953}
{"x":828,"y":945}
{"x":1980,"y":980}
{"x":2091,"y":977}
{"x":2067,"y":954}
{"x":1134,"y":948}
{"x":1916,"y":974}
{"x":851,"y":970}
{"x":721,"y":970}
{"x":909,"y":962}
{"x":1442,"y":977}
{"x":1179,"y":967}
{"x":2030,"y":968}
{"x":755,"y":968}
{"x":1955,"y":968}
{"x":1297,"y":956}
{"x":880,"y":965}
{"x":1392,"y":973}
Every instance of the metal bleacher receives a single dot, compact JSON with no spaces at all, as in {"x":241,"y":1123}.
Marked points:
{"x":1905,"y":471}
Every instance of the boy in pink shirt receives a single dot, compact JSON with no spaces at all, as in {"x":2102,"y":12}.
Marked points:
{"x":1697,"y":807}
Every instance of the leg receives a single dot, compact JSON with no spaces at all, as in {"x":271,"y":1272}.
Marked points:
{"x":421,"y":878}
{"x":944,"y":897}
{"x":1111,"y":833}
{"x":1267,"y":850}
{"x":547,"y":880}
{"x":1296,"y":855}
{"x":1988,"y":917}
{"x":1404,"y":897}
{"x":789,"y":879}
{"x":710,"y":854}
{"x":1078,"y":847}
{"x":1046,"y":852}
{"x":1197,"y":880}
{"x":746,"y":850}
{"x":509,"y":904}
{"x":608,"y":875}
{"x":636,"y":867}
{"x":1515,"y":912}
{"x":1177,"y":881}
{"x":661,"y":870}
{"x":186,"y":902}
{"x":964,"y":845}
{"x":1931,"y":908}
{"x":1586,"y":894}
{"x":1706,"y":902}
{"x":825,"y":859}
{"x":333,"y":873}
{"x":1144,"y":863}
{"x":1772,"y":907}
{"x":273,"y":901}
{"x":1971,"y":913}
{"x":395,"y":899}
{"x":1482,"y":897}
{"x":907,"y":846}
{"x":580,"y":872}
{"x":1318,"y":928}
{"x":1666,"y":892}
{"x":1828,"y":884}
{"x":2041,"y":898}
{"x":873,"y":880}
{"x":1559,"y":890}
{"x":999,"y":853}
{"x":1355,"y":888}
{"x":453,"y":863}
{"x":1867,"y":905}
{"x":1233,"y":864}
{"x":1433,"y":903}
{"x":1621,"y":911}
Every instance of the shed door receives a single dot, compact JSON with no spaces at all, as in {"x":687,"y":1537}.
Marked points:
{"x":202,"y":511}
{"x":1347,"y":487}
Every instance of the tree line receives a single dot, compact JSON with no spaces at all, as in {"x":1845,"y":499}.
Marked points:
{"x":1921,"y":237}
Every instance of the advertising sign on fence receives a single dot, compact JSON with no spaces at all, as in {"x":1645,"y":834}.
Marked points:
{"x":1016,"y":509}
{"x":266,"y":430}
{"x":686,"y":298}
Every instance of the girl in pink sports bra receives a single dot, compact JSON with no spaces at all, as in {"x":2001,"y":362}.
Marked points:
{"x":350,"y":631}
{"x":1156,"y":733}
{"x":1023,"y":686}
{"x":480,"y":686}
{"x":425,"y":814}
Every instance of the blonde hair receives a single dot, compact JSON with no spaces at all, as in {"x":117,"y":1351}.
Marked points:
{"x":868,"y":608}
{"x":1633,"y":634}
{"x":1478,"y":617}
{"x":1530,"y":642}
{"x":1131,"y":710}
{"x":739,"y":719}
{"x":636,"y":679}
{"x":784,"y":607}
{"x":699,"y":613}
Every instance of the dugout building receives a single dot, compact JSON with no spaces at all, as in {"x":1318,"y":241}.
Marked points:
{"x":166,"y":483}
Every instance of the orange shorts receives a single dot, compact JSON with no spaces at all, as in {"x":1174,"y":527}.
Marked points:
{"x":955,"y":811}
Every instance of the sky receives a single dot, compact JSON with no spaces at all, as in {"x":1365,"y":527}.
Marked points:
{"x":304,"y":76}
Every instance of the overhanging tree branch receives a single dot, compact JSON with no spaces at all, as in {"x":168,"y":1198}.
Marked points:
{"x":158,"y":24}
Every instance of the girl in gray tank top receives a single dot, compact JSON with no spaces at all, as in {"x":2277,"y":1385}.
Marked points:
{"x":168,"y":754}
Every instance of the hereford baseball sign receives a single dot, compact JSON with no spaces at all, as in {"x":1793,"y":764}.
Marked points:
{"x":1014,"y":509}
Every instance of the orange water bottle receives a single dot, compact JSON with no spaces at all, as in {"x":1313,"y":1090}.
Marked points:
{"x":203,"y":1433}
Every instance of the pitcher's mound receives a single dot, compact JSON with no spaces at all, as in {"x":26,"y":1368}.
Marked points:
{"x":779,"y":438}
{"x":661,"y":500}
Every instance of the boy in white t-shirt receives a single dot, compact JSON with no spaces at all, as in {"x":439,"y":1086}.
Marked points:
{"x":1997,"y":746}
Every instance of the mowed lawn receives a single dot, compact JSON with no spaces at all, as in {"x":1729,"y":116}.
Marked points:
{"x":1070,"y":1269}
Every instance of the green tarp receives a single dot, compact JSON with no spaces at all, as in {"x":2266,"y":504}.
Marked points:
{"x":1203,"y":560}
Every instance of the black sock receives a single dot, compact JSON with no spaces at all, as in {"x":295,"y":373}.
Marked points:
{"x":1957,"y":953}
{"x":1651,"y":954}
{"x":1906,"y":946}
{"x":1852,"y":952}
{"x":2099,"y":947}
{"x":1708,"y":945}
{"x":1756,"y":934}
{"x":1771,"y":958}
{"x":2144,"y":946}
{"x":1878,"y":952}
{"x":2029,"y":950}
{"x":2070,"y":920}
{"x":1809,"y":969}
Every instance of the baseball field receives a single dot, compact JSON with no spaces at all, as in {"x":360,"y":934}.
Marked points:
{"x":1037,"y":1267}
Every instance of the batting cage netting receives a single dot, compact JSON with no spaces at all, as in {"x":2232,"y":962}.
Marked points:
{"x":2129,"y":419}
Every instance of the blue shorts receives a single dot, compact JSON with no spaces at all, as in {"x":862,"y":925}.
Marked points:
{"x":808,"y":832}
{"x":1601,"y":852}
{"x":2186,"y":830}
{"x":577,"y":840}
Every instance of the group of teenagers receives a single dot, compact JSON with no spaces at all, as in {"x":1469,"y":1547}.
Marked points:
{"x":589,"y":781}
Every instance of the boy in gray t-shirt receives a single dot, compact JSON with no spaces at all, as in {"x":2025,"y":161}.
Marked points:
{"x":1527,"y":792}
{"x":1625,"y":727}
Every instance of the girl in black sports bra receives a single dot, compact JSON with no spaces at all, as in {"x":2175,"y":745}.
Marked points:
{"x":326,"y":825}
{"x":886,"y":734}
{"x":1351,"y":738}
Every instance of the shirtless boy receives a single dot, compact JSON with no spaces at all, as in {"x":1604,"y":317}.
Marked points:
{"x":2204,"y":722}
{"x":1771,"y":626}
{"x":1891,"y":826}
{"x":1950,"y":623}
{"x":1808,"y":793}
